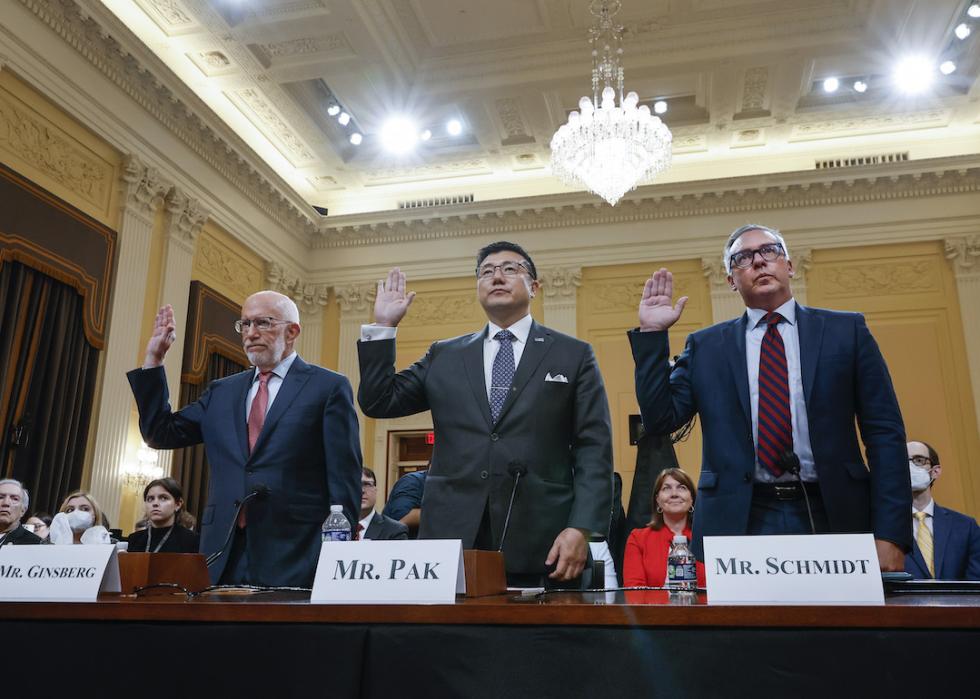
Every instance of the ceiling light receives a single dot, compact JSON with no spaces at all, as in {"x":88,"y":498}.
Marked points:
{"x":831,"y":85}
{"x":913,"y":74}
{"x":660,"y":107}
{"x":333,"y":109}
{"x":344,"y":118}
{"x":454,"y":128}
{"x":962,"y":30}
{"x":356,"y":138}
{"x":947,"y":67}
{"x":974,"y":10}
{"x":399,"y":135}
{"x":860,"y":86}
{"x":425,"y":135}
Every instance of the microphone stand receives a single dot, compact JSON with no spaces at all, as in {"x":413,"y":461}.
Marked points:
{"x":790,"y":463}
{"x":515,"y":469}
{"x":257,"y":491}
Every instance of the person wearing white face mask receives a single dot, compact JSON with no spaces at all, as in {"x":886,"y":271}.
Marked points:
{"x":947,"y":543}
{"x":81,"y":514}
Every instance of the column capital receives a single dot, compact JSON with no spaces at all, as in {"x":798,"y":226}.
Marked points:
{"x":309,"y":297}
{"x":963,"y":253}
{"x":714,"y":272}
{"x":357,"y":297}
{"x":186,"y":216}
{"x":560,"y":283}
{"x":802,"y":262}
{"x":144,"y":188}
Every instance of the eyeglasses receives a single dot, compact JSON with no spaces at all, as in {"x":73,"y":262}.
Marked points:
{"x":921,"y":461}
{"x":260,"y":324}
{"x":367,"y":486}
{"x":743,"y":258}
{"x":508,"y":269}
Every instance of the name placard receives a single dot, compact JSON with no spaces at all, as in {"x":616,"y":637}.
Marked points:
{"x":823,"y":569}
{"x":389,"y":572}
{"x":58,"y":573}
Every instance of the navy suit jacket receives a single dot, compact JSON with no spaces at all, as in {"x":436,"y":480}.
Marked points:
{"x":308,"y":455}
{"x":956,"y":548}
{"x":844,"y":377}
{"x":382,"y":528}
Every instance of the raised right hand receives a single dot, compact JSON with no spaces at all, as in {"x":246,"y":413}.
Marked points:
{"x":164,"y":334}
{"x":391,"y":303}
{"x":657,"y":308}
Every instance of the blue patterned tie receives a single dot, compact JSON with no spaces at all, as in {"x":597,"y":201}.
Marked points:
{"x":502,"y":375}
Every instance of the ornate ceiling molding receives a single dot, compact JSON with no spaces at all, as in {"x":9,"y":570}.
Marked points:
{"x":913,"y":179}
{"x":309,"y":297}
{"x":90,"y":32}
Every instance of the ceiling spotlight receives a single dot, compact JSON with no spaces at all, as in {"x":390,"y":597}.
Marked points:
{"x":913,"y":74}
{"x":947,"y":67}
{"x":660,"y":106}
{"x":344,"y":118}
{"x":425,"y":135}
{"x":356,"y":138}
{"x":454,"y":127}
{"x":831,"y":85}
{"x":399,"y":135}
{"x":962,"y":30}
{"x":333,"y":109}
{"x":974,"y":10}
{"x":860,"y":86}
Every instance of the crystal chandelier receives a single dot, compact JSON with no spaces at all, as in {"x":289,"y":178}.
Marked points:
{"x":605,"y":148}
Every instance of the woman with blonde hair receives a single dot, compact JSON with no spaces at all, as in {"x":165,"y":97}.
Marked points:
{"x":79,"y":513}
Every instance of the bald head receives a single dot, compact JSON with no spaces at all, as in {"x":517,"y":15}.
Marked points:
{"x":283,"y":306}
{"x":273,"y":329}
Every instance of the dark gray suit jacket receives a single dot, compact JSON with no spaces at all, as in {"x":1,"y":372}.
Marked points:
{"x":559,"y":431}
{"x":382,"y":527}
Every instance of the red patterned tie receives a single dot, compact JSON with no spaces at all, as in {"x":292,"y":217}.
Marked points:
{"x":775,"y":418}
{"x":256,"y":418}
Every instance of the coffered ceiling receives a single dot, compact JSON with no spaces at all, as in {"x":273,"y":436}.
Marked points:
{"x":742,"y":79}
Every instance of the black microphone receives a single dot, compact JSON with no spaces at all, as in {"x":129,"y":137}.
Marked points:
{"x":516,"y":469}
{"x":790,"y":463}
{"x":259,"y":492}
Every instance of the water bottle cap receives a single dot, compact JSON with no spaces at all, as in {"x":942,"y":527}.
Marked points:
{"x":680,"y":539}
{"x":336,"y":508}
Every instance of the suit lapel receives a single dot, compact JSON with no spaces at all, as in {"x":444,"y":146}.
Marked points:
{"x":297,"y":376}
{"x":940,"y":537}
{"x":473,"y":362}
{"x":810,"y":331}
{"x":539,"y":342}
{"x":374,"y":527}
{"x":919,"y":561}
{"x":734,"y":333}
{"x":238,"y":410}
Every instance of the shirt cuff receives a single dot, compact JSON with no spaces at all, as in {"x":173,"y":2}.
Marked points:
{"x":377,"y":332}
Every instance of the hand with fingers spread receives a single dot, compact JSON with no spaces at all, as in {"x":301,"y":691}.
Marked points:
{"x":391,"y":302}
{"x":657,"y":308}
{"x":164,"y":335}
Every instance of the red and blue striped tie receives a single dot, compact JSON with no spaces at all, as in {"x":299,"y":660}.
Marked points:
{"x":775,"y":418}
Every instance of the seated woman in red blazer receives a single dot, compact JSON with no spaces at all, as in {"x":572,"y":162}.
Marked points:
{"x":645,"y":561}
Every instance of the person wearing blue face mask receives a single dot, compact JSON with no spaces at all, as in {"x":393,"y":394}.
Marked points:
{"x":947,"y":543}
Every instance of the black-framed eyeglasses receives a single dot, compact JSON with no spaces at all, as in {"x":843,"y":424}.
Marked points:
{"x":921,"y":461}
{"x":768,"y":252}
{"x":260,"y":324}
{"x":508,"y":269}
{"x":365,"y":485}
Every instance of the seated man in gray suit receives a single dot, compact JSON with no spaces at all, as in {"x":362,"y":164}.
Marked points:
{"x":374,"y":525}
{"x":517,"y":408}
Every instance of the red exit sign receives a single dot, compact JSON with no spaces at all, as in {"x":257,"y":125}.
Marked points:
{"x":430,"y":438}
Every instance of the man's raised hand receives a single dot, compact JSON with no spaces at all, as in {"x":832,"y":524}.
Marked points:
{"x":391,"y":302}
{"x":657,"y":308}
{"x":164,"y":334}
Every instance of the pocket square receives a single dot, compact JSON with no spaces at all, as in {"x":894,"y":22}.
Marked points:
{"x":559,"y":378}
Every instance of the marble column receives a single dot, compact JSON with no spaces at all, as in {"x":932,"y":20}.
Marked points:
{"x":356,"y":303}
{"x":143,"y":191}
{"x":560,"y":288}
{"x":802,"y":261}
{"x":312,"y":301}
{"x":963,"y":253}
{"x":725,"y":302}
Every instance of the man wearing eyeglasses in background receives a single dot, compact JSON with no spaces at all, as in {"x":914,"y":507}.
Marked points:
{"x":374,"y":525}
{"x":947,"y":543}
{"x":778,"y":391}
{"x":514,"y":399}
{"x":284,"y":433}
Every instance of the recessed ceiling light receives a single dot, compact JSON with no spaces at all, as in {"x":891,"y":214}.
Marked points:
{"x":660,"y":106}
{"x":831,"y":85}
{"x":860,"y":86}
{"x":974,"y":10}
{"x":333,"y":109}
{"x":454,"y":127}
{"x":344,"y":118}
{"x":356,"y":138}
{"x":913,"y":74}
{"x":399,"y":135}
{"x":947,"y":67}
{"x":962,"y":30}
{"x":425,"y":135}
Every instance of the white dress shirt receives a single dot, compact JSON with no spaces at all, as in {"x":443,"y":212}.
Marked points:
{"x":755,"y":330}
{"x":929,"y":510}
{"x":274,"y":383}
{"x":521,"y":329}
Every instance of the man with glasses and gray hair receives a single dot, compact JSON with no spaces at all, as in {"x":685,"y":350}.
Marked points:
{"x":778,"y":391}
{"x":282,"y":445}
{"x":14,"y":501}
{"x":521,"y":424}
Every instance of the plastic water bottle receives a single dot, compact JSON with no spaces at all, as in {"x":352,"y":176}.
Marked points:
{"x":335,"y":526}
{"x":681,"y":571}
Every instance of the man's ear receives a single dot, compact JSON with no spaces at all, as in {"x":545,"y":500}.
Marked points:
{"x":731,"y":283}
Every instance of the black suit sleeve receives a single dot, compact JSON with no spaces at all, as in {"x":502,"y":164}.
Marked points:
{"x":161,"y":428}
{"x":383,"y":393}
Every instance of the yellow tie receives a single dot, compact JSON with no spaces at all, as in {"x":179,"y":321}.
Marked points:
{"x":924,"y":539}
